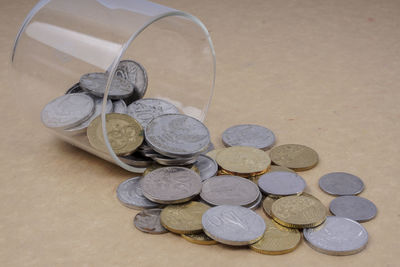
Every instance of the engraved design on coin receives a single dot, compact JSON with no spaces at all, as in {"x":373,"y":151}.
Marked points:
{"x":229,"y":190}
{"x":281,"y":183}
{"x":95,"y":84}
{"x":148,"y":221}
{"x":249,"y":135}
{"x":293,"y":156}
{"x":207,"y":166}
{"x":67,"y":111}
{"x":337,"y":236}
{"x":144,"y":110}
{"x":130,"y":194}
{"x":341,"y":184}
{"x":134,"y":73}
{"x":353,"y":207}
{"x":233,"y":225}
{"x":177,"y":135}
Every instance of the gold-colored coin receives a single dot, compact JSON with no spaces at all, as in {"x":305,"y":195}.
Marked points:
{"x":293,"y":156}
{"x":252,"y":176}
{"x":124,"y":133}
{"x":243,"y":160}
{"x":199,"y":238}
{"x":155,"y":166}
{"x":184,"y":218}
{"x":213,"y":153}
{"x":277,"y":239}
{"x":303,"y":211}
{"x":276,"y":168}
{"x":267,"y":205}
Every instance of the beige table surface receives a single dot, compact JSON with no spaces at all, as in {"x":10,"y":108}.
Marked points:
{"x":320,"y":73}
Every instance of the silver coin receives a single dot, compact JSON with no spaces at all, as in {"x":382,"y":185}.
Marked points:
{"x":137,"y":160}
{"x":130,"y":194}
{"x":356,"y":208}
{"x":341,"y":184}
{"x":229,"y":190}
{"x":162,"y":160}
{"x":177,"y":135}
{"x":249,"y":135}
{"x":337,"y":236}
{"x":148,"y":221}
{"x":207,"y":166}
{"x":74,"y":89}
{"x":281,"y":183}
{"x":98,"y":105}
{"x":134,"y":73}
{"x":209,"y":148}
{"x":255,"y":204}
{"x":67,"y":111}
{"x":146,"y":109}
{"x":170,"y":185}
{"x":120,"y":106}
{"x":233,"y":225}
{"x":95,"y":84}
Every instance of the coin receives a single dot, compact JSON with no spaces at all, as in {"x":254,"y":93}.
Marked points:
{"x":243,"y":160}
{"x":276,"y":168}
{"x":146,"y":109}
{"x":207,"y":167}
{"x":137,"y":160}
{"x":356,"y":208}
{"x":124,"y":133}
{"x":184,"y":218}
{"x":155,"y":166}
{"x":277,"y":239}
{"x":255,"y":204}
{"x":163,"y":160}
{"x":95,"y":84}
{"x":120,"y":106}
{"x":341,"y":184}
{"x":148,"y":221}
{"x":267,"y":205}
{"x":171,"y":185}
{"x":67,"y":111}
{"x":337,"y":236}
{"x":233,"y":225}
{"x":298,"y":211}
{"x":229,"y":190}
{"x":98,"y":105}
{"x":134,"y":73}
{"x":177,"y":135}
{"x":209,"y":148}
{"x":199,"y":238}
{"x":281,"y":183}
{"x":74,"y":89}
{"x":293,"y":156}
{"x":248,"y":135}
{"x":213,"y":153}
{"x":130,"y":194}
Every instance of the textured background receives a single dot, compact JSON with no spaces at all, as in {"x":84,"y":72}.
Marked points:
{"x":319,"y":73}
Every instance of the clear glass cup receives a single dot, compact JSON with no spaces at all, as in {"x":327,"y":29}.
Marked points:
{"x":60,"y":40}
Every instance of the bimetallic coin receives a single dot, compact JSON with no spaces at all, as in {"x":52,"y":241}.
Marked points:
{"x":276,"y":168}
{"x":243,"y":160}
{"x":277,"y":239}
{"x":267,"y":205}
{"x":207,"y":166}
{"x":356,"y":208}
{"x":249,"y":135}
{"x":171,"y":185}
{"x":199,"y":238}
{"x":293,"y":156}
{"x":67,"y":111}
{"x":184,"y":218}
{"x":299,"y":211}
{"x":213,"y":153}
{"x":74,"y":89}
{"x":341,"y":184}
{"x":95,"y":84}
{"x":148,"y":221}
{"x":146,"y":109}
{"x":337,"y":236}
{"x":98,"y":105}
{"x":134,"y":73}
{"x":177,"y":135}
{"x":130,"y":194}
{"x":120,"y":106}
{"x":124,"y":134}
{"x":233,"y":225}
{"x":229,"y":190}
{"x":281,"y":183}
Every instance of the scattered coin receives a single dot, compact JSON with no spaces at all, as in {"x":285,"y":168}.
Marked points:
{"x":341,"y":184}
{"x":148,"y":221}
{"x":137,"y":160}
{"x":155,"y":166}
{"x":167,"y":161}
{"x":337,"y":236}
{"x":124,"y":133}
{"x":213,"y":153}
{"x":120,"y":106}
{"x":74,"y":89}
{"x":293,"y":156}
{"x":134,"y":73}
{"x":184,"y":218}
{"x":171,"y":185}
{"x":95,"y":84}
{"x":177,"y":135}
{"x":267,"y":205}
{"x":276,"y":168}
{"x":255,"y":204}
{"x":67,"y":111}
{"x":207,"y":166}
{"x":299,"y":211}
{"x":130,"y":194}
{"x":249,"y":135}
{"x":353,"y":207}
{"x":209,"y":148}
{"x":281,"y":183}
{"x":277,"y":239}
{"x":233,"y":225}
{"x":229,"y":190}
{"x":199,"y":238}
